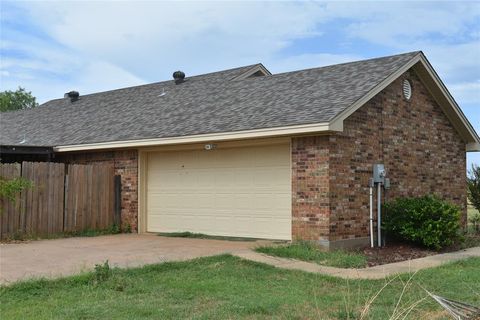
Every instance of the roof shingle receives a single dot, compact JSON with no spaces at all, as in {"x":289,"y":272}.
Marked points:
{"x":209,"y":103}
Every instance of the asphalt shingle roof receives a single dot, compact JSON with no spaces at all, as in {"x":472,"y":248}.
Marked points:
{"x":209,"y":103}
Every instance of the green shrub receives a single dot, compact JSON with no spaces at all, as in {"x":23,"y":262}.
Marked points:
{"x":9,"y":188}
{"x":427,"y":221}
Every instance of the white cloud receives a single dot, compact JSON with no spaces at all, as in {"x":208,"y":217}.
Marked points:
{"x":456,"y":63}
{"x":447,"y":32}
{"x":103,"y":45}
{"x":92,"y":77}
{"x":97,"y":46}
{"x":154,"y":38}
{"x":396,"y":23}
{"x":101,"y":76}
{"x":468,"y":92}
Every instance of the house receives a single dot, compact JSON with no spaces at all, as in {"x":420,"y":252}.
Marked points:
{"x":245,"y":153}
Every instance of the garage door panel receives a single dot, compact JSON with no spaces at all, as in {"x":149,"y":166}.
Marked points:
{"x":260,"y":202}
{"x":275,"y":155}
{"x":232,"y":192}
{"x":166,"y":202}
{"x":272,"y":178}
{"x":225,"y":202}
{"x":232,"y":158}
{"x":252,"y":203}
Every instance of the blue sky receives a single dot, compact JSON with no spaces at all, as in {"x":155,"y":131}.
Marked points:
{"x":54,"y":47}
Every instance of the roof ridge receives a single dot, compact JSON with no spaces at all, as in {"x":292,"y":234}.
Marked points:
{"x":243,"y":67}
{"x":159,"y":82}
{"x":350,"y":62}
{"x":249,"y":66}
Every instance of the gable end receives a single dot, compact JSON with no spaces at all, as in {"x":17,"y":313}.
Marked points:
{"x":437,"y":89}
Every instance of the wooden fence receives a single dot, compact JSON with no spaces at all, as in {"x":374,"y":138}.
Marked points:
{"x":63,"y":198}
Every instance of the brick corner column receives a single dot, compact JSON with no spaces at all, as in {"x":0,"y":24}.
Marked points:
{"x":310,"y":188}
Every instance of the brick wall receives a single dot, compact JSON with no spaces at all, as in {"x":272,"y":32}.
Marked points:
{"x":310,"y":188}
{"x":422,"y":153}
{"x":126,"y":165}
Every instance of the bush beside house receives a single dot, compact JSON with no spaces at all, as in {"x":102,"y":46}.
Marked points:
{"x":427,"y":221}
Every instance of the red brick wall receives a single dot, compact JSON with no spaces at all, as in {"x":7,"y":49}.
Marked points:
{"x":126,"y":165}
{"x":422,"y":153}
{"x":310,"y":187}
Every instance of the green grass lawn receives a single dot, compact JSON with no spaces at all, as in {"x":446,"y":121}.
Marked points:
{"x":226,"y":287}
{"x":310,"y":252}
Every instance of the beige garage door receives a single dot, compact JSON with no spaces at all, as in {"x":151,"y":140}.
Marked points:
{"x":242,"y":191}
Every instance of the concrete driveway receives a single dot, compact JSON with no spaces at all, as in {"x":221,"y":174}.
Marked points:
{"x":59,"y":257}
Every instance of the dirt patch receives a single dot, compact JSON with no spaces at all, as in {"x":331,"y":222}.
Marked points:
{"x":398,"y":251}
{"x":395,"y":252}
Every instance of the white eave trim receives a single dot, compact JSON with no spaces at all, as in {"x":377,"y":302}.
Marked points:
{"x":210,"y":137}
{"x":473,"y":147}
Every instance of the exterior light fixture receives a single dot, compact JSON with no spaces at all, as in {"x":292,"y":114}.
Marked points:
{"x":210,"y":146}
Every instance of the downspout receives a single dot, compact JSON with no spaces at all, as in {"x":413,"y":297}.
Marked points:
{"x":379,"y":214}
{"x":371,"y":213}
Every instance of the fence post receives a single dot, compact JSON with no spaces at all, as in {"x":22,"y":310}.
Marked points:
{"x":118,"y":200}
{"x":9,"y":210}
{"x":66,"y":220}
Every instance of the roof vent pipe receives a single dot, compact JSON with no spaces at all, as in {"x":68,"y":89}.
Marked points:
{"x":178,"y":76}
{"x":73,"y":95}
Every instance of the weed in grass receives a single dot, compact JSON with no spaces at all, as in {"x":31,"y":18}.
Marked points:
{"x":346,"y":315}
{"x":117,"y":282}
{"x":101,"y":272}
{"x":410,"y":298}
{"x":397,"y":309}
{"x":308,"y":251}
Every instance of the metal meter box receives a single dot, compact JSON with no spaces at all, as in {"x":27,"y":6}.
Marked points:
{"x":379,"y":173}
{"x":386,"y":185}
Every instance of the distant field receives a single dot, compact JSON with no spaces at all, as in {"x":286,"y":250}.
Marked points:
{"x":471,"y":210}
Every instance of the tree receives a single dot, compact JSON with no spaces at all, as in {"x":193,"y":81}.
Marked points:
{"x":473,"y":185}
{"x":17,"y":100}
